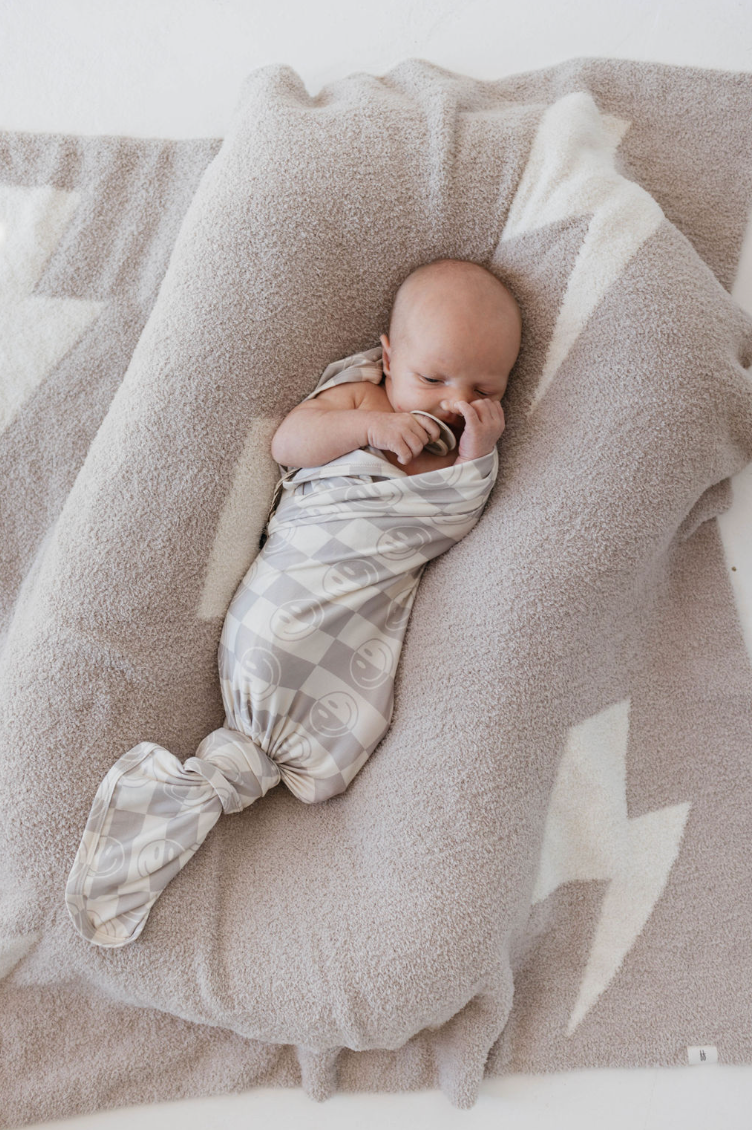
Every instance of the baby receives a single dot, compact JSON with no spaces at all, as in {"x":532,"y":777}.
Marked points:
{"x":454,"y":336}
{"x":312,"y":638}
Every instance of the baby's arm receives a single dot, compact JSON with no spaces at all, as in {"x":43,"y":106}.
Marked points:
{"x":321,"y":429}
{"x":336,"y":422}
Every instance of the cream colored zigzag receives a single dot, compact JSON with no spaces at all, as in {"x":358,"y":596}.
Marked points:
{"x":37,"y":331}
{"x":241,"y":521}
{"x":589,"y":836}
{"x":570,"y":173}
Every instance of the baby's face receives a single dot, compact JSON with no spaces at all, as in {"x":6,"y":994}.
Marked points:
{"x":441,"y":361}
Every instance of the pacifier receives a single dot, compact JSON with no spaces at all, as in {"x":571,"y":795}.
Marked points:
{"x":446,"y":442}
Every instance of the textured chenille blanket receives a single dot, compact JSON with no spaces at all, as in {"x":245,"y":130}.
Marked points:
{"x":544,"y":862}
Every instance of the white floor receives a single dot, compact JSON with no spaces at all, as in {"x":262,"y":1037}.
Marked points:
{"x":173,"y":68}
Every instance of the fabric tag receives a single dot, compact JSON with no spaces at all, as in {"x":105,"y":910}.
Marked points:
{"x":706,"y":1054}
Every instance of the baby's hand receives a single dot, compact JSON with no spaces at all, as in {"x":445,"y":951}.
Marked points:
{"x":401,"y":432}
{"x":484,"y":423}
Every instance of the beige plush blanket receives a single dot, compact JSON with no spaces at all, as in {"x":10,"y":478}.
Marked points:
{"x":544,"y":864}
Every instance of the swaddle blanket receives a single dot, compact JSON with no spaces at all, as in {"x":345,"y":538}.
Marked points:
{"x":307,"y":659}
{"x":544,"y":865}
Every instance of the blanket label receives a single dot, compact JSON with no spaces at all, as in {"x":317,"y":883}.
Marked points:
{"x":706,"y":1054}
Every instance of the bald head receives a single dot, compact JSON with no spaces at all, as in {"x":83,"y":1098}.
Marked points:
{"x":454,"y":335}
{"x":460,"y":292}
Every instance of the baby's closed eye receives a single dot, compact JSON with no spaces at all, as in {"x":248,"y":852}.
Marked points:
{"x":436,"y":381}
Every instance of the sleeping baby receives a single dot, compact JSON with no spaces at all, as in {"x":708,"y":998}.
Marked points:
{"x":390,"y":462}
{"x":454,"y":336}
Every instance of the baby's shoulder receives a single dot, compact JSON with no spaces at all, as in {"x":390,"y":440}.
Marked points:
{"x":352,"y":394}
{"x":370,"y":395}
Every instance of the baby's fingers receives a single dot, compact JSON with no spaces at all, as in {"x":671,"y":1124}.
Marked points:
{"x":463,"y":407}
{"x":431,"y":428}
{"x":490,"y":411}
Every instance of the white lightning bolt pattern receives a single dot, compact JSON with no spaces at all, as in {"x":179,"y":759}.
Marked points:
{"x":571,"y":173}
{"x":588,"y":836}
{"x":236,"y":542}
{"x":37,"y":331}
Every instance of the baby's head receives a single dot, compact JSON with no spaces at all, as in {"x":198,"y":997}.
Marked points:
{"x":454,"y":334}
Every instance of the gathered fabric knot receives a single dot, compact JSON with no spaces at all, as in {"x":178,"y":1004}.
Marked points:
{"x":119,"y":873}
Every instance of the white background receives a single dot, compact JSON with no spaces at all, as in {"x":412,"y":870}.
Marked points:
{"x":173,"y":68}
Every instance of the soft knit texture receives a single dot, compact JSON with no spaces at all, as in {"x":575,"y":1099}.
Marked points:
{"x":544,"y":864}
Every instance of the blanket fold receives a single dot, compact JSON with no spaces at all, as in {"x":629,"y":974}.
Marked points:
{"x":541,"y":863}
